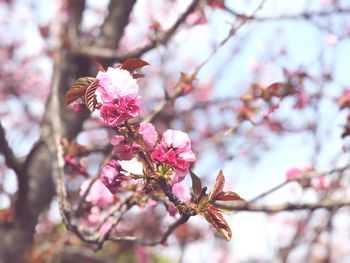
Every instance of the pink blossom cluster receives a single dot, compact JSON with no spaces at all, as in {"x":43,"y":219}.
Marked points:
{"x":182,"y":192}
{"x":99,"y":198}
{"x":318,"y":183}
{"x":175,"y":151}
{"x":126,"y":149}
{"x":98,"y":194}
{"x":112,"y":177}
{"x":118,"y":101}
{"x":117,"y":96}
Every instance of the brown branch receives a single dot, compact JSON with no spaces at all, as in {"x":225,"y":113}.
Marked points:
{"x":170,"y":99}
{"x":306,"y":176}
{"x":99,"y":52}
{"x":240,"y":23}
{"x":170,"y":230}
{"x":10,"y":159}
{"x":329,"y":205}
{"x":304,"y":15}
{"x":74,"y":253}
{"x":115,"y":23}
{"x":116,"y":221}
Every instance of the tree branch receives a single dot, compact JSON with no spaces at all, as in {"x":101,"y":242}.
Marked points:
{"x":328,"y":204}
{"x":304,"y":15}
{"x":99,"y":52}
{"x":10,"y":159}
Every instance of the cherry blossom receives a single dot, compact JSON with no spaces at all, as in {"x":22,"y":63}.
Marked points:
{"x":122,"y":149}
{"x":115,"y":83}
{"x":111,"y":176}
{"x":175,"y":151}
{"x":114,"y":114}
{"x":182,"y":191}
{"x":98,"y":194}
{"x":149,"y":135}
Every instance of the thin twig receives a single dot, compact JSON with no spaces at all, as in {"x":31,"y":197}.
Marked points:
{"x":232,"y":32}
{"x":304,"y":15}
{"x":329,"y":205}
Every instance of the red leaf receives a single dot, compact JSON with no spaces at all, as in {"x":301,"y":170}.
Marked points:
{"x":216,"y":219}
{"x":228,"y":196}
{"x":6,"y":215}
{"x":90,"y":97}
{"x":78,"y":89}
{"x":73,"y":95}
{"x":131,"y":64}
{"x":137,"y":75}
{"x":218,"y":186}
{"x":274,"y":87}
{"x":99,"y":65}
{"x":196,"y":184}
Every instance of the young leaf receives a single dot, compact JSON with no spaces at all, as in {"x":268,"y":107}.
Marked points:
{"x":218,"y":186}
{"x":78,"y":89}
{"x":131,"y":64}
{"x":215,"y":218}
{"x":90,"y":97}
{"x":99,"y":65}
{"x":74,"y":94}
{"x":196,"y":184}
{"x":228,"y":196}
{"x":137,"y":75}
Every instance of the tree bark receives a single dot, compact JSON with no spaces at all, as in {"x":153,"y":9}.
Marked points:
{"x":36,"y":184}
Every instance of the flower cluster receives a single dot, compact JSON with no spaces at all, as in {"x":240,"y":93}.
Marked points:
{"x":125,"y":148}
{"x":175,"y":151}
{"x":150,"y":166}
{"x":118,"y":101}
{"x":111,"y":176}
{"x":117,"y":96}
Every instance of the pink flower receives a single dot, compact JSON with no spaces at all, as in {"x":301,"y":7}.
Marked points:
{"x":182,"y":191}
{"x":180,"y":142}
{"x":197,"y":18}
{"x":159,"y":155}
{"x":171,"y":158}
{"x":171,"y":209}
{"x":176,"y":139}
{"x":94,"y":217}
{"x":318,"y":182}
{"x":111,"y":176}
{"x":111,"y":115}
{"x":115,"y":83}
{"x":149,"y":135}
{"x":175,"y":151}
{"x":142,"y":254}
{"x":122,"y":149}
{"x":178,"y":176}
{"x":293,"y":173}
{"x":321,"y":184}
{"x":78,"y":107}
{"x":302,"y":100}
{"x":114,"y":114}
{"x":129,"y":106}
{"x":98,"y":194}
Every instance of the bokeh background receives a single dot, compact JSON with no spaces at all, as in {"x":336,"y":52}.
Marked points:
{"x":304,"y":43}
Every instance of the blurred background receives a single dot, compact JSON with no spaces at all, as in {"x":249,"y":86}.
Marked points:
{"x":269,"y":106}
